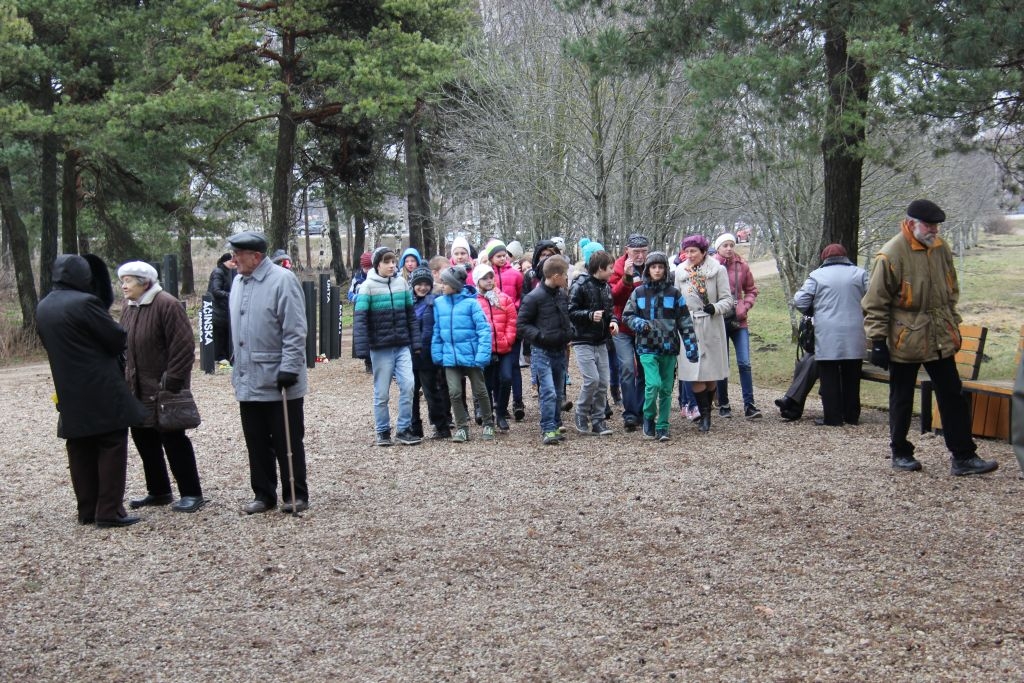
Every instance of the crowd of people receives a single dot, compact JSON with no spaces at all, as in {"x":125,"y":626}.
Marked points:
{"x":635,"y":323}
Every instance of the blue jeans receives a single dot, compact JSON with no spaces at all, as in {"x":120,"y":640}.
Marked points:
{"x":550,"y":369}
{"x":395,"y":361}
{"x":687,"y":399}
{"x":741,"y":343}
{"x":631,"y":379}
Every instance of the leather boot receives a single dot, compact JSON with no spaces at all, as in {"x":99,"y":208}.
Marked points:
{"x":704,"y":406}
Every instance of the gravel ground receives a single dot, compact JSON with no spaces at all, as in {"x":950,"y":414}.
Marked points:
{"x":764,"y":551}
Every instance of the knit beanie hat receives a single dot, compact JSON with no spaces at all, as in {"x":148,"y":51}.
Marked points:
{"x":421,"y":274}
{"x":461,"y":241}
{"x":481,"y":271}
{"x":454,"y":277}
{"x":378,"y":255}
{"x":723,"y":238}
{"x":515,"y":249}
{"x":492,"y":248}
{"x":366,"y":260}
{"x":589,"y":249}
{"x":656,"y":257}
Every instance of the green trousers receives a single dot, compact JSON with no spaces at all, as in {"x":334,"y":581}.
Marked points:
{"x":659,"y":380}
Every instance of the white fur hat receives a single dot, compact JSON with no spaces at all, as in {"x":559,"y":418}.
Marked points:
{"x":481,"y":271}
{"x":138,"y":269}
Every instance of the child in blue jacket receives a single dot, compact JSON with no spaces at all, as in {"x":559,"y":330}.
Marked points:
{"x":462,"y":344}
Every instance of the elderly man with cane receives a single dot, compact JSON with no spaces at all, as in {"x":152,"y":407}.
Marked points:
{"x":268,"y":332}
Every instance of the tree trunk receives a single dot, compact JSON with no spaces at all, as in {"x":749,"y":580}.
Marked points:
{"x":843,"y":140}
{"x":281,"y":199}
{"x":418,"y":192}
{"x":20,"y":251}
{"x":49,"y":213}
{"x":359,"y":241}
{"x":337,"y":256}
{"x":69,"y":203}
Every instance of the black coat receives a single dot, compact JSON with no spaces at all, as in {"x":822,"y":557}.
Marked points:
{"x":84,"y":346}
{"x":588,"y":294}
{"x":220,"y":289}
{"x":544,"y":318}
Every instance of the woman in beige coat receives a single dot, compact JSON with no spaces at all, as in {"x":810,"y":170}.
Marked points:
{"x":705,"y":285}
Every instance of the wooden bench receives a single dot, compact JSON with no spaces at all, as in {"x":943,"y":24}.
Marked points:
{"x":988,"y":401}
{"x":968,"y":364}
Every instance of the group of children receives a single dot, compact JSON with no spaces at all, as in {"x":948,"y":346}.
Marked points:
{"x":431,"y":329}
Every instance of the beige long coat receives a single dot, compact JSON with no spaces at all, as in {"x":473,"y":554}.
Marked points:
{"x":711,"y":340}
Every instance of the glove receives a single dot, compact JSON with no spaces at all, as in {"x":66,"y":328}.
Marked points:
{"x":709,"y":309}
{"x":174,"y":385}
{"x":286,"y":379}
{"x":880,"y":354}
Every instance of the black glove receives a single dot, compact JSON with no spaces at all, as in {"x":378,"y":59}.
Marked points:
{"x":286,"y":379}
{"x":880,"y":354}
{"x":709,"y":309}
{"x":174,"y":385}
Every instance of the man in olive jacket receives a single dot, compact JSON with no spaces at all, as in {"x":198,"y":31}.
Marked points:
{"x":268,"y":333}
{"x":911,"y":319}
{"x":84,"y":347}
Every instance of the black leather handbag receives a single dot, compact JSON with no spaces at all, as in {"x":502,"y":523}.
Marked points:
{"x":176,"y":412}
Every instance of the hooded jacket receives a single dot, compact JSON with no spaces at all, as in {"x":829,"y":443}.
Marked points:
{"x":384,"y":317}
{"x":462,"y":335}
{"x":84,"y":347}
{"x":586,"y":295}
{"x":219,"y":288}
{"x":502,"y":319}
{"x":535,"y":276}
{"x":411,"y":251}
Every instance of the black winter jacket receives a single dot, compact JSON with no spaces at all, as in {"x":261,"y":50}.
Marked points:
{"x":220,"y":289}
{"x":544,"y":318}
{"x":84,"y":346}
{"x":586,"y":295}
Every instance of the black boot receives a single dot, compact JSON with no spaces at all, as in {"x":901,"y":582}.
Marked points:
{"x":704,"y":406}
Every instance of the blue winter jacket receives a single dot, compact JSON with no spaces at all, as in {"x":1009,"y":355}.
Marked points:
{"x":423,"y":307}
{"x":462,"y":335}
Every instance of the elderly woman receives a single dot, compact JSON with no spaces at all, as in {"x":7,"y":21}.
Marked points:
{"x":832,"y":294}
{"x":704,"y":283}
{"x":161,"y":348}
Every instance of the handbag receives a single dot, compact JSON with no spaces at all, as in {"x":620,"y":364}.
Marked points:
{"x":805,"y":334}
{"x":176,"y":412}
{"x":732,"y":325}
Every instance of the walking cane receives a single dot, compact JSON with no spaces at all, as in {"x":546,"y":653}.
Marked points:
{"x":288,"y":441}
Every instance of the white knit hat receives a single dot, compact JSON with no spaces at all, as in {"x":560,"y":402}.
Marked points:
{"x":481,"y":271}
{"x":723,"y":238}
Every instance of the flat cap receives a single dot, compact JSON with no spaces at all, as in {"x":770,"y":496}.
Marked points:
{"x":924,"y":210}
{"x":252,"y":241}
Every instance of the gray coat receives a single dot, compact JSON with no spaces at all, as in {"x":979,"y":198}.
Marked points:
{"x":268,"y":331}
{"x":711,"y":340}
{"x":833,"y":292}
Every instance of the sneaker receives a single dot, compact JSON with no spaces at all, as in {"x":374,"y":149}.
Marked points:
{"x":751,"y":412}
{"x":384,"y":439}
{"x":693,"y":413}
{"x":973,"y":465}
{"x":440,"y":434}
{"x":905,"y":462}
{"x":501,"y":422}
{"x":629,"y":423}
{"x":408,"y":437}
{"x":582,"y":424}
{"x":552,"y":438}
{"x":600,"y":428}
{"x":460,"y":435}
{"x":518,"y":411}
{"x":488,"y":433}
{"x":649,"y":428}
{"x":662,"y":435}
{"x":725,"y":411}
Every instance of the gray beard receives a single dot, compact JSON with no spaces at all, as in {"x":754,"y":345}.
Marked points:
{"x":927,"y":239}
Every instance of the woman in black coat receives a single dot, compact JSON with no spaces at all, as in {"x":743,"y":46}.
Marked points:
{"x":220,"y":289}
{"x":84,"y":346}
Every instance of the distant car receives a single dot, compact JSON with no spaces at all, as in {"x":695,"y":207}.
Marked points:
{"x":315,"y":228}
{"x":743,"y":235}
